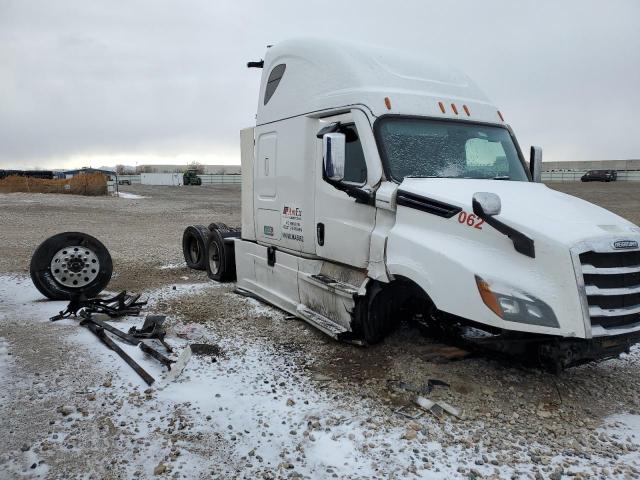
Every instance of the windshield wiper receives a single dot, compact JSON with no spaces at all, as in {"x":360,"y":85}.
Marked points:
{"x":502,"y":177}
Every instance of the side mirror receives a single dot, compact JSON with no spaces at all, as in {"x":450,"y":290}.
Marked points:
{"x":486,"y":204}
{"x":535,"y":164}
{"x":333,"y":153}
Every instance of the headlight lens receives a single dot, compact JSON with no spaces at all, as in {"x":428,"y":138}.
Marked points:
{"x":515,"y":305}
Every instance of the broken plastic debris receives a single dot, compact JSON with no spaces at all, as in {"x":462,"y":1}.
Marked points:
{"x":179,"y":365}
{"x":450,"y":409}
{"x":437,"y":408}
{"x":430,"y":406}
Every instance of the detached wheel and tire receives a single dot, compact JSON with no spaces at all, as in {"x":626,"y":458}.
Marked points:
{"x":221,"y":261}
{"x":194,"y":246}
{"x":69,"y":264}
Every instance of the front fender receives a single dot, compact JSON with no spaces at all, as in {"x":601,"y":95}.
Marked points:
{"x":443,"y":256}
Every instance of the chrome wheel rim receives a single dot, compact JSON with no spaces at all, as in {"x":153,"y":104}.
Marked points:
{"x":75,"y":266}
{"x":194,"y":251}
{"x":214,"y":258}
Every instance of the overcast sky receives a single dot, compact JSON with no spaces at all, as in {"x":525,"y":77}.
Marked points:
{"x":152,"y":81}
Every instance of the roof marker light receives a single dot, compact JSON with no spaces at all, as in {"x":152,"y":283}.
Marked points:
{"x":500,"y":115}
{"x":441,"y":107}
{"x":454,"y":108}
{"x":466,"y":110}
{"x":387,"y":102}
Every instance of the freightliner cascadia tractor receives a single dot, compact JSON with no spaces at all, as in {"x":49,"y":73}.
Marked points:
{"x":379,"y":187}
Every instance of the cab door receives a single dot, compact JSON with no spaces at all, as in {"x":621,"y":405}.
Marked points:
{"x":343,"y":227}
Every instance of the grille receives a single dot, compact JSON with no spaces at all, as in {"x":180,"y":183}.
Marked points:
{"x":612,"y":284}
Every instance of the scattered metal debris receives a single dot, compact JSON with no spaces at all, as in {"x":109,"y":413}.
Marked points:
{"x":98,"y":326}
{"x":100,"y":333}
{"x":94,"y":312}
{"x":167,"y":362}
{"x":409,"y":411}
{"x":118,"y":306}
{"x":91,"y":310}
{"x":399,"y":385}
{"x":152,"y":328}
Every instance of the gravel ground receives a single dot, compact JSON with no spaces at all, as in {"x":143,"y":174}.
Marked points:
{"x":142,"y":234}
{"x":518,"y":423}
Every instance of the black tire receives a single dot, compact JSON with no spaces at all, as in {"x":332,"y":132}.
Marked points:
{"x":374,"y":315}
{"x":53,"y":285}
{"x":194,"y":246}
{"x":221,"y":261}
{"x":222,"y":227}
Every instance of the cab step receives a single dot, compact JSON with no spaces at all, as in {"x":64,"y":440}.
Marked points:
{"x":321,"y":322}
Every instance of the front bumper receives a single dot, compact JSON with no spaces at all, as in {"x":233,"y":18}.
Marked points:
{"x":565,"y":353}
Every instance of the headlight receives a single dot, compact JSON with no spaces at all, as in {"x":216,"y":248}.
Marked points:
{"x":514,"y":305}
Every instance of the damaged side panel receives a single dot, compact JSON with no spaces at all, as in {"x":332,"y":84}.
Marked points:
{"x":329,"y":290}
{"x":321,"y":293}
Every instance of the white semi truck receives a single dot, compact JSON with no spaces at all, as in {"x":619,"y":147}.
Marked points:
{"x":377,"y":187}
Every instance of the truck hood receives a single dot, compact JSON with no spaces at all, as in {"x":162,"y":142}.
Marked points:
{"x":532,"y":208}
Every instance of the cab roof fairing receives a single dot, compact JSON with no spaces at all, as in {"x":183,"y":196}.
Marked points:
{"x":322,"y":75}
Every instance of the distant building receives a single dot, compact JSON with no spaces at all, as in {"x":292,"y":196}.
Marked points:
{"x":580,"y":166}
{"x":88,"y":170}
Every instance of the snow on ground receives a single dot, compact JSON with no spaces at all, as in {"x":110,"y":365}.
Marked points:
{"x":251,"y":412}
{"x":173,"y":266}
{"x":5,"y":360}
{"x":20,"y":299}
{"x":130,"y":195}
{"x":625,"y":426}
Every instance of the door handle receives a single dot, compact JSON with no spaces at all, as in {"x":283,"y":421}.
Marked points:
{"x":320,"y":233}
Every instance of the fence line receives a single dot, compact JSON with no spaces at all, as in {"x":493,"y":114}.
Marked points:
{"x":574,"y":176}
{"x":218,"y":179}
{"x":207,"y":179}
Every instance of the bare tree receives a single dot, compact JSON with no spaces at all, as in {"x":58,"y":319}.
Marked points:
{"x":197,"y":166}
{"x":120,"y":169}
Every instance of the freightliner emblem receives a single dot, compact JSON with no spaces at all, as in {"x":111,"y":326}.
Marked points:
{"x":625,"y":244}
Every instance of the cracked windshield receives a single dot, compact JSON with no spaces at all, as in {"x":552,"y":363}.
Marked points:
{"x":444,"y":149}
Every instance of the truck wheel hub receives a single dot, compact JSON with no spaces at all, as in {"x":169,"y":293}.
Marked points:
{"x":214,"y":258}
{"x":75,"y":266}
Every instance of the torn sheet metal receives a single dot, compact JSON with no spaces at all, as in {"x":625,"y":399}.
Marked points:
{"x":118,"y":306}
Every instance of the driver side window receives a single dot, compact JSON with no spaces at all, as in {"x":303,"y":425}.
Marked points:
{"x":355,"y":168}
